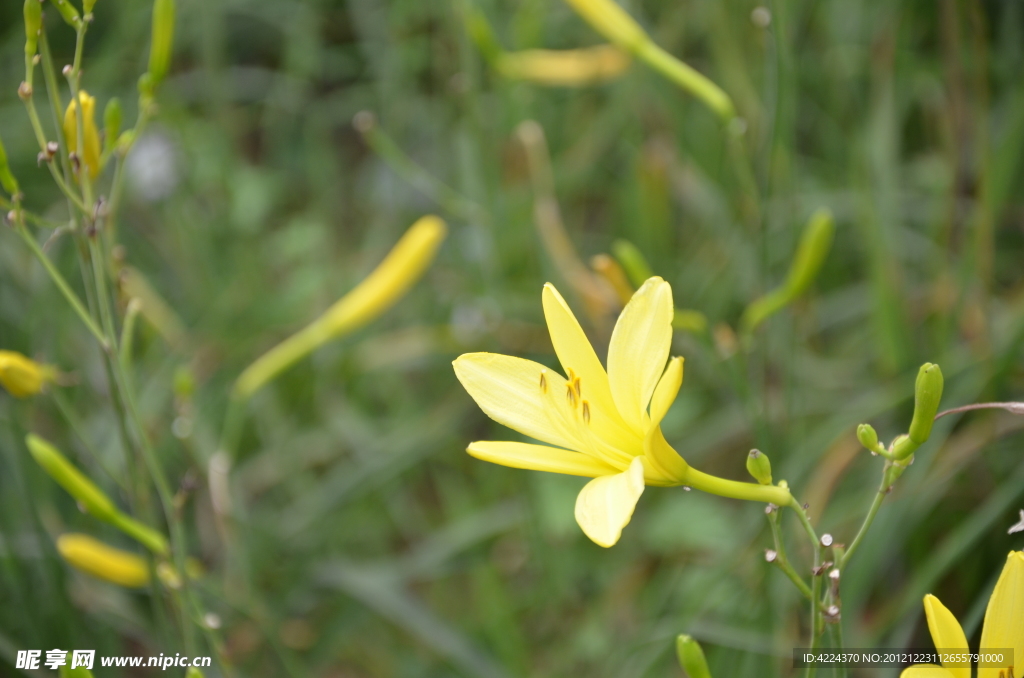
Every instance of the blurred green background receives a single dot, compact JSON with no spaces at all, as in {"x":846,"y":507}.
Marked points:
{"x":373,"y":545}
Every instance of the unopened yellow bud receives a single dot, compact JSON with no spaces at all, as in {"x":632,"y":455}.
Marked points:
{"x":691,"y":657}
{"x":7,"y":180}
{"x":92,"y":498}
{"x":759,"y":467}
{"x":22,"y":376}
{"x":91,"y":143}
{"x":33,"y":23}
{"x":68,"y":12}
{"x":401,"y":268}
{"x":565,"y":68}
{"x":611,"y":21}
{"x":104,"y":562}
{"x":162,"y":41}
{"x":927,"y":394}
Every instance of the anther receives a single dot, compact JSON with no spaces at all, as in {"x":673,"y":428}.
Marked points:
{"x":586,"y":412}
{"x":576,"y":383}
{"x":543,"y":382}
{"x":570,"y":395}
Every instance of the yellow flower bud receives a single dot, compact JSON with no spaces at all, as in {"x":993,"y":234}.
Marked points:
{"x":401,"y":268}
{"x":691,"y":657}
{"x":33,"y":23}
{"x":927,"y":394}
{"x":22,"y":376}
{"x":71,"y":479}
{"x":611,"y":21}
{"x":91,"y":144}
{"x":759,"y":467}
{"x":104,"y":562}
{"x":162,"y":40}
{"x":564,"y":68}
{"x":7,"y":180}
{"x":111,"y":123}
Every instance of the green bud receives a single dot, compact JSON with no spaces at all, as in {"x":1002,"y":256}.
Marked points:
{"x":71,"y":479}
{"x":162,"y":40}
{"x":691,"y":657}
{"x":78,"y":672}
{"x":868,"y":438}
{"x":68,"y":11}
{"x":759,"y":467}
{"x":124,"y":142}
{"x":184,"y":382}
{"x":87,"y":6}
{"x":7,"y":179}
{"x":902,"y":447}
{"x":814,"y":246}
{"x":927,"y":394}
{"x":111,"y":124}
{"x":33,"y":24}
{"x":633,"y":261}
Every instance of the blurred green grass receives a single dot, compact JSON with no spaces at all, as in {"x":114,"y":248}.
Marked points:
{"x":374,"y":545}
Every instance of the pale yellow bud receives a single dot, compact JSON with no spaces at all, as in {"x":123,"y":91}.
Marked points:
{"x":611,"y":21}
{"x":565,"y":68}
{"x":22,"y":376}
{"x":91,"y":144}
{"x":103,"y":562}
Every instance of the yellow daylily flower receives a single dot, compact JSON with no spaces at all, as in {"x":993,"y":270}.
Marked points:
{"x":91,"y":144}
{"x":1003,"y":628}
{"x":22,"y":376}
{"x":597,"y":424}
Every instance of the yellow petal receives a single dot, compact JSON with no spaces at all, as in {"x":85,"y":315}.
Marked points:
{"x":539,"y":458}
{"x":578,"y":358}
{"x":508,"y":390}
{"x":639,"y":348}
{"x":566,"y":68}
{"x":105,"y":562}
{"x":946,"y":632}
{"x":925,"y":671}
{"x":664,"y":465}
{"x":91,"y":145}
{"x":665,"y":393}
{"x":605,"y":505}
{"x":1004,"y":617}
{"x":22,"y":376}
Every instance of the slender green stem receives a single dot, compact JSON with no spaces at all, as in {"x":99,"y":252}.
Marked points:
{"x":686,"y":77}
{"x":62,"y":285}
{"x":71,"y":417}
{"x":876,"y":503}
{"x":782,"y":562}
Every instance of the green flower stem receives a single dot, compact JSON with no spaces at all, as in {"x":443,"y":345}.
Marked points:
{"x":769,"y":494}
{"x":686,"y":77}
{"x":62,"y":285}
{"x":891,"y":469}
{"x":71,"y":417}
{"x":37,"y":127}
{"x":75,"y":82}
{"x":782,"y":561}
{"x":56,"y":102}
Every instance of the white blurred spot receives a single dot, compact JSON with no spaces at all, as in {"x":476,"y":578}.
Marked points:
{"x":761,"y":17}
{"x":152,"y":166}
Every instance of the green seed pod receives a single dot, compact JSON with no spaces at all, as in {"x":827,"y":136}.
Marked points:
{"x":162,"y":40}
{"x":759,"y":467}
{"x":111,"y":124}
{"x":33,"y":24}
{"x":927,"y":394}
{"x":7,"y":179}
{"x":68,"y":11}
{"x":71,"y":479}
{"x":691,"y":657}
{"x":868,"y":437}
{"x":633,"y":261}
{"x":814,"y":246}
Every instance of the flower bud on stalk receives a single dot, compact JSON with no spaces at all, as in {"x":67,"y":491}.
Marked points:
{"x":927,"y":394}
{"x":105,"y":562}
{"x":22,"y":376}
{"x":91,"y":144}
{"x":87,"y":6}
{"x":611,"y":21}
{"x":815,"y":243}
{"x":869,"y":438}
{"x":90,"y":497}
{"x":162,"y":40}
{"x":691,"y":657}
{"x":33,"y":24}
{"x":759,"y":467}
{"x":68,"y":11}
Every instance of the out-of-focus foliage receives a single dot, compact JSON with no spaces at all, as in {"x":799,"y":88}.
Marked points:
{"x":369,"y":543}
